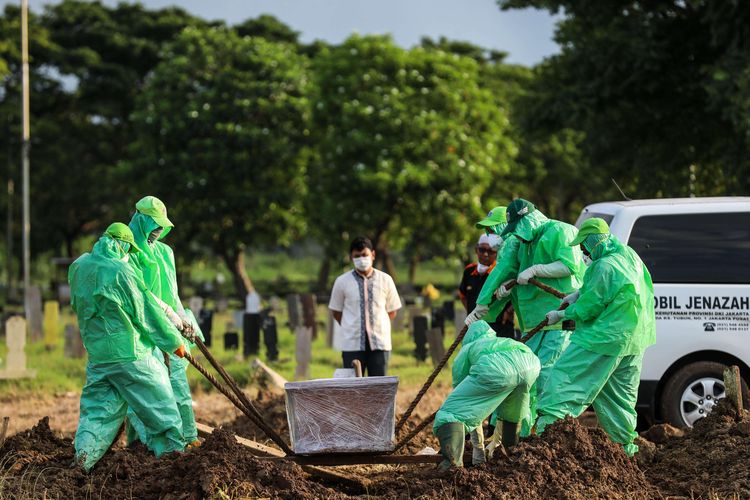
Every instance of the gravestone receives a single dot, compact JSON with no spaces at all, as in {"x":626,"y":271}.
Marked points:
{"x":222,"y":304}
{"x":449,"y":310}
{"x":398,"y":320}
{"x":196,"y":305}
{"x":51,"y":323}
{"x":34,"y":313}
{"x":437,"y":320}
{"x":205,"y":322}
{"x":302,"y":352}
{"x":420,"y":337}
{"x":15,"y":340}
{"x":73,"y":342}
{"x":294,"y":309}
{"x":459,"y":319}
{"x":309,"y":303}
{"x":270,"y":337}
{"x":238,"y":319}
{"x":251,"y":323}
{"x":231,"y":341}
{"x":435,"y":341}
{"x":330,"y":329}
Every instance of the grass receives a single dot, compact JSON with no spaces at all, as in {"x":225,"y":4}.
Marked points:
{"x":55,"y":373}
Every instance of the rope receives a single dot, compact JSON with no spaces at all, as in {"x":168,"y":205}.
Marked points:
{"x":413,"y":433}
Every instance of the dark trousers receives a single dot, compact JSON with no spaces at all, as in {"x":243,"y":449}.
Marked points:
{"x":374,"y":363}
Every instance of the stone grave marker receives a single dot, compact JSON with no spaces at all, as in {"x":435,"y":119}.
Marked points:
{"x":15,"y":339}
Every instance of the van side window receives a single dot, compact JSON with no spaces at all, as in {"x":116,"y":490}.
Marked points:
{"x":694,"y":248}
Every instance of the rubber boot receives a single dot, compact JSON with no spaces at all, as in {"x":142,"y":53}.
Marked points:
{"x":510,"y":434}
{"x":451,"y":438}
{"x":477,"y":446}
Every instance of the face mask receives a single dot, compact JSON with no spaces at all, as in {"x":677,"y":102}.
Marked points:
{"x":481,"y":268}
{"x":587,"y":260}
{"x":362,"y":263}
{"x":154,"y":235}
{"x":495,"y":241}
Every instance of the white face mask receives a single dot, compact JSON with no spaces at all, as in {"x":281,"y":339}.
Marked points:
{"x":587,"y":260}
{"x":362,"y":264}
{"x":481,"y":268}
{"x":495,"y":241}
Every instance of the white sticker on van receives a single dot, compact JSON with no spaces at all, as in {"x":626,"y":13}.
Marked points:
{"x":707,"y":312}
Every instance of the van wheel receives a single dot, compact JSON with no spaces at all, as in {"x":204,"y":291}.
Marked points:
{"x":692,"y":392}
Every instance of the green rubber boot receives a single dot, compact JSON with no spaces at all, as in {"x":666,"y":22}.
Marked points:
{"x":510,"y":434}
{"x":451,"y":437}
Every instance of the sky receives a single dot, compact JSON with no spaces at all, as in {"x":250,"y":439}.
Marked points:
{"x":525,"y":34}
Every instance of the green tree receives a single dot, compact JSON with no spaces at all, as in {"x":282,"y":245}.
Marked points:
{"x":268,"y":27}
{"x":222,"y":138}
{"x":657,"y":89}
{"x":407,"y":142}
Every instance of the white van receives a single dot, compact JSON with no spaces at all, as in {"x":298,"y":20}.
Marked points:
{"x":698,"y":253}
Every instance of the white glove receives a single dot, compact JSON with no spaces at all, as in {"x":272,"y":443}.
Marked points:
{"x":554,"y":317}
{"x":495,"y":442}
{"x":571,"y":299}
{"x":503,"y":292}
{"x":552,"y":270}
{"x":188,"y":330}
{"x":171,"y":314}
{"x":478,"y":313}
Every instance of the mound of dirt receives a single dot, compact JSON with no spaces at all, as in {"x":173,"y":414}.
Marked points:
{"x":36,"y":464}
{"x":709,"y":460}
{"x":568,"y":461}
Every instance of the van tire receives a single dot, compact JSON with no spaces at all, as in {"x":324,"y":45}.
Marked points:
{"x":671,"y":397}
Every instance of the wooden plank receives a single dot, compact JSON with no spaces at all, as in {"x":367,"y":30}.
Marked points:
{"x":258,"y":449}
{"x":332,"y":460}
{"x":733,"y":388}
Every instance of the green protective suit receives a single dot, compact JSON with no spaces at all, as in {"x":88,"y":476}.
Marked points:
{"x":120,"y":325}
{"x":489,"y":372}
{"x":548,"y":243}
{"x":615,"y":323}
{"x":155,"y":262}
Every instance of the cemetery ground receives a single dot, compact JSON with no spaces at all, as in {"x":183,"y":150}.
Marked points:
{"x":573,"y":459}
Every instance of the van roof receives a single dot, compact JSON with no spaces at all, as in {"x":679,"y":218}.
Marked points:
{"x":679,"y":201}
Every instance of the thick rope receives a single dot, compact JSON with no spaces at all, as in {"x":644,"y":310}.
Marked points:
{"x":413,"y":433}
{"x":236,"y":402}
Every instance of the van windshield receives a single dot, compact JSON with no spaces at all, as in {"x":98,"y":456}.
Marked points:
{"x":586,"y":214}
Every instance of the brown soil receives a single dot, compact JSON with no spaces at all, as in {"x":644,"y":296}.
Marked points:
{"x":36,"y":463}
{"x":710,"y":460}
{"x":569,"y":461}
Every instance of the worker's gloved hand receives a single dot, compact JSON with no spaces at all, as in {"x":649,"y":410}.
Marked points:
{"x":554,"y":317}
{"x":571,"y":299}
{"x":477,"y":446}
{"x":524,"y":276}
{"x":188,"y":331}
{"x":180,"y":352}
{"x":478,"y":313}
{"x":503,"y":291}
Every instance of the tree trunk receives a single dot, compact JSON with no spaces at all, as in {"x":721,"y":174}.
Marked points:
{"x":387,"y":261}
{"x":323,"y":273}
{"x":413,"y":263}
{"x":235,"y":262}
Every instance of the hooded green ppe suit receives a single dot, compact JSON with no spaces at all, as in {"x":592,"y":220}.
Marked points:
{"x":156,"y":264}
{"x":615,"y":323}
{"x":120,"y":325}
{"x":488,"y":372}
{"x":547,"y":243}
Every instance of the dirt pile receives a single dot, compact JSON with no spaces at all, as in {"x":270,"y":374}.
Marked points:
{"x":711,"y":459}
{"x":273,"y":408}
{"x":570,"y":461}
{"x":36,"y":464}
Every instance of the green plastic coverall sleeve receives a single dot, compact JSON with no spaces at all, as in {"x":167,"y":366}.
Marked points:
{"x":614,"y":313}
{"x":582,"y":378}
{"x":506,"y":268}
{"x":501,"y":372}
{"x":118,"y":319}
{"x":141,"y":386}
{"x":549,"y":243}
